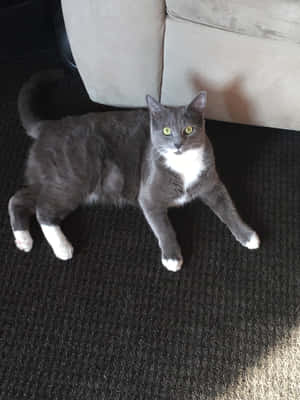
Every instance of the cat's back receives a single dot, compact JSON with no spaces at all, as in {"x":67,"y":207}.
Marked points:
{"x":124,"y":125}
{"x":123,"y":132}
{"x":85,"y":143}
{"x":129,"y":124}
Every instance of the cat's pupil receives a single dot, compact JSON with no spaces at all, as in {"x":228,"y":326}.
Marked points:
{"x":188,"y":130}
{"x":167,"y":131}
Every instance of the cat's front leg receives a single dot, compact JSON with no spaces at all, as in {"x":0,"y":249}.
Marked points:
{"x":157,"y":218}
{"x":219,"y":200}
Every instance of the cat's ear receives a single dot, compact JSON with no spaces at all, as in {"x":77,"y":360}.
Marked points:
{"x":153,"y":105}
{"x":199,"y":102}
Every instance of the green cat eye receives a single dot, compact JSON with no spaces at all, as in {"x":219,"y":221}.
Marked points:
{"x":188,"y":130}
{"x":167,"y":131}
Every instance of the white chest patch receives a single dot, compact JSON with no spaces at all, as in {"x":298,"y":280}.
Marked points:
{"x":189,"y":165}
{"x":180,"y":201}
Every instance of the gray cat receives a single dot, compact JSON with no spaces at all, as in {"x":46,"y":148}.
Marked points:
{"x":156,"y":158}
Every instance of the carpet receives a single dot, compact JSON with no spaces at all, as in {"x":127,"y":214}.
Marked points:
{"x":112,"y":323}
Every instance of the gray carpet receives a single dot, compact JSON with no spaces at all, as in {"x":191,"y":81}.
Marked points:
{"x":112,"y":323}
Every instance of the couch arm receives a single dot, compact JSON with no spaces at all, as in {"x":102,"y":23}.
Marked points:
{"x":118,"y":48}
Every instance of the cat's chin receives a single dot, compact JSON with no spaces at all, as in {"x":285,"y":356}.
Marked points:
{"x":171,"y":152}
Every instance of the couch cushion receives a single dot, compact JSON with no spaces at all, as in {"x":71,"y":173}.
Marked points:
{"x":276,"y":19}
{"x":118,"y":47}
{"x":248,"y":79}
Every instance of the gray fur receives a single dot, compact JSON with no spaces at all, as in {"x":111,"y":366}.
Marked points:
{"x":30,"y":95}
{"x":117,"y":157}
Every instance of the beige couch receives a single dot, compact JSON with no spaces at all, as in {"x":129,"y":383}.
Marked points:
{"x":245,"y":53}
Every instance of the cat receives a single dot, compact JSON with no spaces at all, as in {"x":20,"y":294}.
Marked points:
{"x":154,"y":158}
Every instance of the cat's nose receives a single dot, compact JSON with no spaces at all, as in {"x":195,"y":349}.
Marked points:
{"x":178,"y":145}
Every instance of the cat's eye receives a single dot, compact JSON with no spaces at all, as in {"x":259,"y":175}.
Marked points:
{"x":188,"y":130}
{"x":167,"y":131}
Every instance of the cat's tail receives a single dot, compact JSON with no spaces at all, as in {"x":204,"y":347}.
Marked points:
{"x":30,"y":98}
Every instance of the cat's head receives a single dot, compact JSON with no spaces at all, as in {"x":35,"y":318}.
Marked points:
{"x":177,"y":129}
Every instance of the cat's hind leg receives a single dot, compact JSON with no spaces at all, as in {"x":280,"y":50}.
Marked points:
{"x":51,"y":209}
{"x":61,"y":247}
{"x":20,"y":208}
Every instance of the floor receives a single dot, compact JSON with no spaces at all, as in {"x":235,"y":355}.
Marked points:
{"x":112,"y":323}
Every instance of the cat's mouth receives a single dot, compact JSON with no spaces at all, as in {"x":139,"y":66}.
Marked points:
{"x":179,"y":151}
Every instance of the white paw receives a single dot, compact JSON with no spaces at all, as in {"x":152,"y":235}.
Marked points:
{"x":172,"y":265}
{"x":23,"y":240}
{"x":63,"y":250}
{"x":61,"y":246}
{"x":253,"y":243}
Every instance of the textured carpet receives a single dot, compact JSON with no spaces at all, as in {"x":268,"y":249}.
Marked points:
{"x":112,"y":323}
